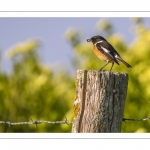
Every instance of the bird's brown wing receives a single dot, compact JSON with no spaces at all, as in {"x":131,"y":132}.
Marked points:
{"x":107,"y":50}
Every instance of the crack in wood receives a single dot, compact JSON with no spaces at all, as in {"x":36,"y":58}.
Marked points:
{"x":83,"y":101}
{"x":113,"y":101}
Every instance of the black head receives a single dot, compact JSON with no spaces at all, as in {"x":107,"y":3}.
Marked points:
{"x":96,"y":39}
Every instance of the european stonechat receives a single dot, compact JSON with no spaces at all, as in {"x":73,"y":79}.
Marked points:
{"x":106,"y":52}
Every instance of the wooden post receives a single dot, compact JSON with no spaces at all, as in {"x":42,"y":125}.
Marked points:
{"x":99,"y":103}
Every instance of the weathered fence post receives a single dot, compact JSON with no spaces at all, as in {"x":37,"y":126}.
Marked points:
{"x":99,"y":102}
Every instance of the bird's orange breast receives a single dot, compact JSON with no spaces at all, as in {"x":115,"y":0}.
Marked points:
{"x":100,"y":55}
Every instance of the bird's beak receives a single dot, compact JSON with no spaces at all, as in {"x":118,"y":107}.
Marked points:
{"x":88,"y":40}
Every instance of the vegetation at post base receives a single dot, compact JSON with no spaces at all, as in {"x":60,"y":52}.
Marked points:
{"x":35,"y":91}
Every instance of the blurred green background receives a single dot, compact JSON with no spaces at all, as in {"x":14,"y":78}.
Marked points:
{"x":33,"y":90}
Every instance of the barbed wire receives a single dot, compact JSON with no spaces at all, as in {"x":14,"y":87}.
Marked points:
{"x":36,"y":122}
{"x":66,"y":121}
{"x":137,"y":120}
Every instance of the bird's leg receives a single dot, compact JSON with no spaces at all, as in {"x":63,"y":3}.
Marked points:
{"x":104,"y":66}
{"x":112,"y":66}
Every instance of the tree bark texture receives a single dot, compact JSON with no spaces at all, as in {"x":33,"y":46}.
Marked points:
{"x":99,"y":103}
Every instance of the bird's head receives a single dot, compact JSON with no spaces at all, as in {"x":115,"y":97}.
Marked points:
{"x":96,"y":39}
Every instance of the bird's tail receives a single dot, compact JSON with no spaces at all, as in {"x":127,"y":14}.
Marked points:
{"x":125,"y":63}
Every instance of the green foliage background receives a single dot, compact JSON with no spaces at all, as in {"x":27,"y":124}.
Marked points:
{"x":35,"y":91}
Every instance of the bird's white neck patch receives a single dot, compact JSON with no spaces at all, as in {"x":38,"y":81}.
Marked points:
{"x":98,"y":42}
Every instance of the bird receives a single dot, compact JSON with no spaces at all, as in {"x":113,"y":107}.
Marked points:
{"x":105,"y":51}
